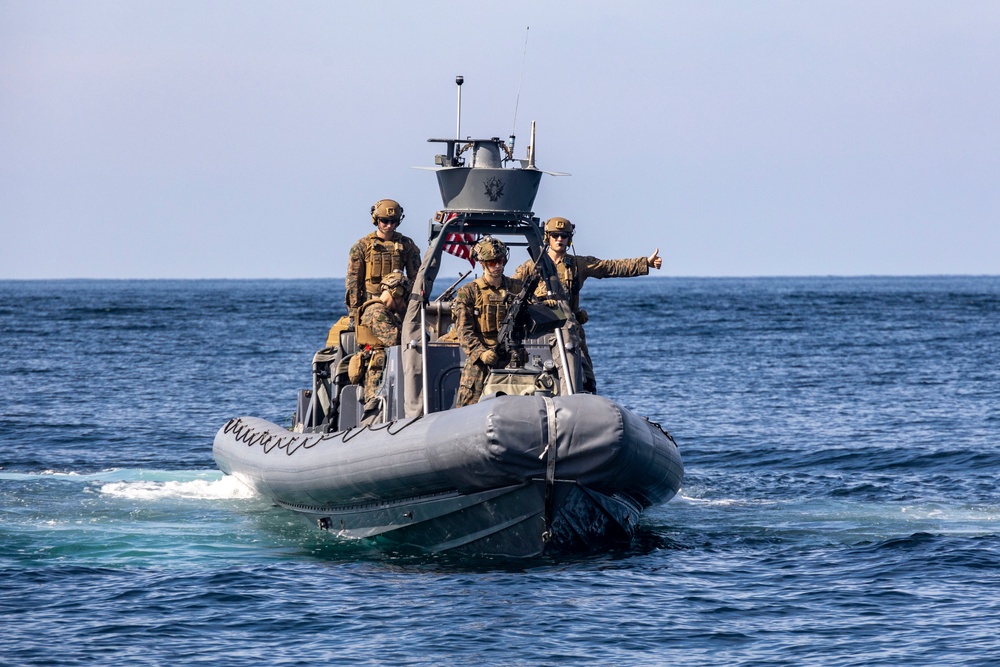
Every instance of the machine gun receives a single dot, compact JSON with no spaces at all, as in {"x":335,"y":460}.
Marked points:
{"x":524,"y":317}
{"x":449,"y":293}
{"x":511,"y":334}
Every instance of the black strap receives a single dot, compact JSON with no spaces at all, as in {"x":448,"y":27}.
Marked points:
{"x":551,"y":447}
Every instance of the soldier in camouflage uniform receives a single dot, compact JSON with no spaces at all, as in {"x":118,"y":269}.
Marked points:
{"x":381,"y":322}
{"x":573,"y":270}
{"x":383,"y":251}
{"x":478,"y":310}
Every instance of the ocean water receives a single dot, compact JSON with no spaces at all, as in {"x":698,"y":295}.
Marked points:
{"x":841,"y":506}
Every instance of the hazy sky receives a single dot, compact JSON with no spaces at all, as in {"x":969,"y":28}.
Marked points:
{"x":249,"y":139}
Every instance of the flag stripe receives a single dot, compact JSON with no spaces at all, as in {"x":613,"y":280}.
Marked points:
{"x":460,"y":245}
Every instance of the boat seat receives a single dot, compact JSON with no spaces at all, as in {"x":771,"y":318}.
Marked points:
{"x":348,"y":344}
{"x":351,"y":406}
{"x":444,"y":370}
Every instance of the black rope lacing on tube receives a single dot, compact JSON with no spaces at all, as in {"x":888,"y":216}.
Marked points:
{"x":291,"y":443}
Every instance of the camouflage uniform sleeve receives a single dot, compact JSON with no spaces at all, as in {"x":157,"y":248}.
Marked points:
{"x":464,"y":313}
{"x":522,"y":272}
{"x":412,"y":259}
{"x":591,"y":267}
{"x":355,"y":294}
{"x":382,"y":324}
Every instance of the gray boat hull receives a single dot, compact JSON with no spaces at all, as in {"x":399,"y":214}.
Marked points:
{"x":478,"y":480}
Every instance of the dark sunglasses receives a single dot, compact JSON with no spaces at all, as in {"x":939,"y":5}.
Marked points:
{"x":388,"y":221}
{"x":559,"y":235}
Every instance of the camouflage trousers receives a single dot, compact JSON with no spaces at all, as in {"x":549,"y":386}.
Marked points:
{"x":474,"y":374}
{"x":373,"y":375}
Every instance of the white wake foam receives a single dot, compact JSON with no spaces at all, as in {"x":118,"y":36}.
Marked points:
{"x":222,"y":489}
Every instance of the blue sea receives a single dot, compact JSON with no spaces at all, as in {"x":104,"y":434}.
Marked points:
{"x":841,"y":505}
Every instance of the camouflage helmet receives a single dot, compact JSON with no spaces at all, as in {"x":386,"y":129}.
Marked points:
{"x":490,"y":248}
{"x":561,"y":225}
{"x":387,"y":209}
{"x":396,"y":283}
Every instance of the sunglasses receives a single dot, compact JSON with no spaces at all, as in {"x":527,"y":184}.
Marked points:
{"x":559,"y":235}
{"x":388,"y":221}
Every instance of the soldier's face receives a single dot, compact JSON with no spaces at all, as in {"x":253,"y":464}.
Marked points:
{"x":559,"y":242}
{"x":386,"y":226}
{"x":493,"y":267}
{"x":392,"y":301}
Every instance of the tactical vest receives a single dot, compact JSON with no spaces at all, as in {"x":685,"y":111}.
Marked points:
{"x":569,"y":276}
{"x":491,"y":309}
{"x":384,"y":257}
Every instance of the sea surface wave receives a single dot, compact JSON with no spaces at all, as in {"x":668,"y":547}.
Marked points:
{"x":840,"y":506}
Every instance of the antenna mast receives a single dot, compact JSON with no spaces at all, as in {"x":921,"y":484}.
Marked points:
{"x":531,"y":148}
{"x":459,"y":80}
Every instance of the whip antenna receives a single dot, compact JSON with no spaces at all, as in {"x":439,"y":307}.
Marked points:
{"x":520,"y":80}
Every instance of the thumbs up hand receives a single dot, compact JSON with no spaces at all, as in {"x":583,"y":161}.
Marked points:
{"x":655,"y":260}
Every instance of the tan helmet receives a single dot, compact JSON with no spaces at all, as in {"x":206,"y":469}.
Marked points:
{"x":396,"y":283}
{"x":490,"y":248}
{"x":561,"y":225}
{"x":387,"y":209}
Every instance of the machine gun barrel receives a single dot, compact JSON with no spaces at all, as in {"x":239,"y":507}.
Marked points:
{"x":510,"y":335}
{"x":449,"y":293}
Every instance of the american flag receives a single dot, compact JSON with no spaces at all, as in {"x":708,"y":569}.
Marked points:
{"x":460,"y":245}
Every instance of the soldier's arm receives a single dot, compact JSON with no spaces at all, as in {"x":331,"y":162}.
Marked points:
{"x":412,"y":261}
{"x":523,"y":271}
{"x":465,"y":324}
{"x":355,"y":294}
{"x":591,"y":267}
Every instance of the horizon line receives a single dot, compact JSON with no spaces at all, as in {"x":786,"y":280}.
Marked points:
{"x":650,"y":276}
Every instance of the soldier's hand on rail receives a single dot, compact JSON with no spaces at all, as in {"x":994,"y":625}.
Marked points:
{"x":655,"y":260}
{"x":489,"y":357}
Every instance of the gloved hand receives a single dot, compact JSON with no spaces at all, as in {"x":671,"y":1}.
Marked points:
{"x":550,"y":303}
{"x":489,"y":357}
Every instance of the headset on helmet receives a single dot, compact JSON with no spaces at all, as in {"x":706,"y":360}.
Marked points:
{"x":489,"y":249}
{"x":397,"y":284}
{"x":387,"y":209}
